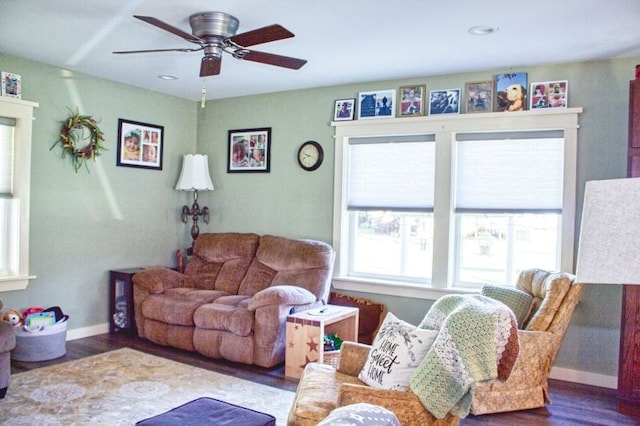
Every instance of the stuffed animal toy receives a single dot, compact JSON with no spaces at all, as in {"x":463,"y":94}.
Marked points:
{"x":13,"y":317}
{"x":515,"y":96}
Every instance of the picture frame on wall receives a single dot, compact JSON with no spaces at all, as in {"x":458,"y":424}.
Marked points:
{"x":549,"y":94}
{"x":140,"y":144}
{"x":11,"y":85}
{"x":511,"y":92}
{"x":444,"y":101}
{"x":376,"y":104}
{"x":411,"y":100}
{"x":344,"y":109}
{"x":249,"y":151}
{"x":479,"y":96}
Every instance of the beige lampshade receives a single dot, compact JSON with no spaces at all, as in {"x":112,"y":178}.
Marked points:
{"x":195,"y":174}
{"x":609,"y":248}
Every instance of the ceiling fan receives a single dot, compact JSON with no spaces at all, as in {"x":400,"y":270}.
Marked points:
{"x":215,"y":32}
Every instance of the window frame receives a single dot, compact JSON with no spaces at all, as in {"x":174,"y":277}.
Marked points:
{"x":22,"y":112}
{"x":445,"y":129}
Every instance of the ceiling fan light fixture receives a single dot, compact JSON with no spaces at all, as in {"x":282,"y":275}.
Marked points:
{"x":482,"y":30}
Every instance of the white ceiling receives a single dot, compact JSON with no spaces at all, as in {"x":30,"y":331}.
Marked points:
{"x":344,"y":41}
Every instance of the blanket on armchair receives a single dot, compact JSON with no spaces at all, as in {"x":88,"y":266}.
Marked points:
{"x":477,"y":344}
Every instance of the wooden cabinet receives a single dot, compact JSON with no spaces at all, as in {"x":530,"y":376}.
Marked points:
{"x":121,"y":316}
{"x":629,"y":362}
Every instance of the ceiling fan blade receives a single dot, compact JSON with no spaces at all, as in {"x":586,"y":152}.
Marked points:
{"x":157,"y":50}
{"x":261,"y":35}
{"x":272,"y":59}
{"x":163,"y":25}
{"x":210,"y":65}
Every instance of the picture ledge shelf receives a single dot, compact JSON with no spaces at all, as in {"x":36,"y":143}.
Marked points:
{"x":484,"y":116}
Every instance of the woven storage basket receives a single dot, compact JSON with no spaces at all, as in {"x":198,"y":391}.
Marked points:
{"x":49,"y":343}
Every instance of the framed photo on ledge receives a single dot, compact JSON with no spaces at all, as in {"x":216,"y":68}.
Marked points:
{"x":378,"y":104}
{"x":411,"y":100}
{"x":249,"y":151}
{"x":549,"y":94}
{"x":140,"y":144}
{"x":344,"y":109}
{"x":480,"y":96}
{"x":444,"y":101}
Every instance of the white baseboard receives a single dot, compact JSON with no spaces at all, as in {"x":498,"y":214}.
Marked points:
{"x":584,"y":377}
{"x":566,"y":374}
{"x":79,"y":333}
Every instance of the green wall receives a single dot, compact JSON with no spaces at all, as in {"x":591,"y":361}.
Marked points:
{"x":83,"y":224}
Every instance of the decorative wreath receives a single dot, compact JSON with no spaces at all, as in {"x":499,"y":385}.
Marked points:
{"x":77,"y":143}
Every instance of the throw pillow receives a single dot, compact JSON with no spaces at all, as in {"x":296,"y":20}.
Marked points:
{"x":397,"y":350}
{"x":517,"y":300}
{"x":362,"y":413}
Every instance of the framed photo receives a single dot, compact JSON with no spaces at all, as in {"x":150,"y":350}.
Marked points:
{"x":11,"y":85}
{"x":140,"y":144}
{"x":549,"y":94}
{"x":511,"y":92}
{"x":344,"y":109}
{"x":249,"y":151}
{"x":411,"y":100}
{"x":480,"y":96}
{"x":444,"y":101}
{"x":376,"y":104}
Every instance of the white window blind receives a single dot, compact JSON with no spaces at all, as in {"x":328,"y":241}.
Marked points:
{"x":391,"y":173}
{"x":7,"y":127}
{"x":509,"y":172}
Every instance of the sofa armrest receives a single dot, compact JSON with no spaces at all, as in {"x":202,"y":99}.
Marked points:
{"x":157,"y":280}
{"x":352,"y":358}
{"x":281,"y":295}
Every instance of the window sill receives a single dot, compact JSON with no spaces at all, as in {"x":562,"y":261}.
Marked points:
{"x":15,"y":282}
{"x":396,"y":288}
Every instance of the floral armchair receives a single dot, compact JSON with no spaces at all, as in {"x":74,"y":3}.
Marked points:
{"x":555,"y":297}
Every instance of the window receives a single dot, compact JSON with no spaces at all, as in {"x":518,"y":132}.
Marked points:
{"x":442,"y":204}
{"x":390,"y":187}
{"x":508,"y":204}
{"x":15,"y":171}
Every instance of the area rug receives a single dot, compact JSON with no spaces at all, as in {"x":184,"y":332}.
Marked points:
{"x":123,"y":386}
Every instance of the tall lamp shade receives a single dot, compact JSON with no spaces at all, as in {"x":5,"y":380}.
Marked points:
{"x":195,"y":177}
{"x":608,"y":254}
{"x":195,"y":174}
{"x":610,"y":233}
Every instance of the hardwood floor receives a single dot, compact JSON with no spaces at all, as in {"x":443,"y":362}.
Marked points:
{"x":573,"y":404}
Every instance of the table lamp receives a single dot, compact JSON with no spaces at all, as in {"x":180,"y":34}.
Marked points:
{"x":195,"y":177}
{"x":608,"y":253}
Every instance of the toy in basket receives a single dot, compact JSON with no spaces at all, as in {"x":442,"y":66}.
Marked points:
{"x":43,"y":336}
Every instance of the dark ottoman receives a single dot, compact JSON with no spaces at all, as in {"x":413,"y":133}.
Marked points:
{"x":209,"y":411}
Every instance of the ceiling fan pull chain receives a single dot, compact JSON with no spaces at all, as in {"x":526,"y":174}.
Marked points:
{"x":204,"y":95}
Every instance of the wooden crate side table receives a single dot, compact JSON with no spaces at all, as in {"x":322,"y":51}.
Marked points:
{"x":121,"y":317}
{"x":305,"y":333}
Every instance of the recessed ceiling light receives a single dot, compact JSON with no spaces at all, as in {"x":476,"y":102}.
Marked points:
{"x":482,"y":30}
{"x":167,"y":77}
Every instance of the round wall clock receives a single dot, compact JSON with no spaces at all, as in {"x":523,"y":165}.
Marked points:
{"x":310,"y":155}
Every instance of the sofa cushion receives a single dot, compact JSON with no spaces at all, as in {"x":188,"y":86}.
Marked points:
{"x":282,"y":261}
{"x":177,"y":306}
{"x":397,"y":350}
{"x":517,"y":300}
{"x":221,"y":260}
{"x":225,"y":315}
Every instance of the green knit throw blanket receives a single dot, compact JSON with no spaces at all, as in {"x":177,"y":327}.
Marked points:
{"x":477,"y":344}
